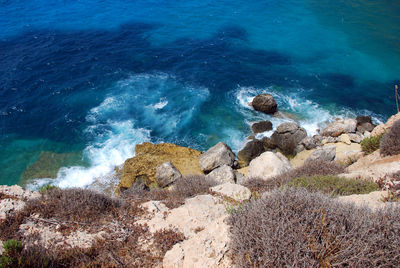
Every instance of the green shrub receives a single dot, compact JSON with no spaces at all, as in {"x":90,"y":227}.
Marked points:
{"x":12,"y":249}
{"x":334,"y":185}
{"x":296,"y":228}
{"x":309,"y":169}
{"x":390,"y":143}
{"x":371,"y":144}
{"x":45,"y":188}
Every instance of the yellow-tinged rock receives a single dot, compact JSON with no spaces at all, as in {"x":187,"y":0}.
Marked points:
{"x":149,"y":156}
{"x":300,"y":158}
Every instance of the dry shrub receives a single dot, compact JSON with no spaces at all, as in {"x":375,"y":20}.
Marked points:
{"x":391,"y":183}
{"x":295,"y":228}
{"x":185,"y":187}
{"x":309,"y":169}
{"x":390,"y":143}
{"x":164,"y":239}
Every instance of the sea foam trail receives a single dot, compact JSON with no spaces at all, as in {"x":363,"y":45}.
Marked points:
{"x":136,"y":107}
{"x":294,"y":108}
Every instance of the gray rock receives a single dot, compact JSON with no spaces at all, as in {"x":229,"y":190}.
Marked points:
{"x":234,"y":191}
{"x":300,"y":148}
{"x":216,"y":156}
{"x":262,"y":126}
{"x":268,"y":165}
{"x":339,"y":127}
{"x":264,"y":103}
{"x":251,"y":150}
{"x":166,"y":174}
{"x":361,"y":119}
{"x":222,"y":174}
{"x":365,"y":127}
{"x":308,"y":143}
{"x":326,"y":153}
{"x":287,"y":136}
{"x":357,"y":138}
{"x":240,"y":178}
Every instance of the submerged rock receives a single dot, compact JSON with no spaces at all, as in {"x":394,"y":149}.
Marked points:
{"x":217,"y":156}
{"x":149,"y":156}
{"x":264,"y":103}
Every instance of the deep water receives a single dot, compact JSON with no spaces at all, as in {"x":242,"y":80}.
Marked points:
{"x":82,"y":82}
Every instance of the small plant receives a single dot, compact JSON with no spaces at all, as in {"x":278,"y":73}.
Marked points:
{"x":390,"y":143}
{"x":371,"y":144}
{"x":390,"y":183}
{"x":45,"y":188}
{"x":334,"y":185}
{"x":10,"y":256}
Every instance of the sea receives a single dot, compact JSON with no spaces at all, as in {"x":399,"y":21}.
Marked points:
{"x":83,"y":81}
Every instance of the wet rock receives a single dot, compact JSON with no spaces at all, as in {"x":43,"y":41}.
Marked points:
{"x":268,"y":165}
{"x":264,"y":103}
{"x":222,"y":174}
{"x":287,"y":136}
{"x":216,"y":156}
{"x":250,"y":151}
{"x":262,"y":126}
{"x":166,"y":174}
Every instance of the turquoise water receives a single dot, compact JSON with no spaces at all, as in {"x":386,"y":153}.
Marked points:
{"x":98,"y":77}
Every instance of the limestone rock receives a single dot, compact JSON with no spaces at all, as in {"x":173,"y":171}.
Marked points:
{"x":218,"y":155}
{"x":372,"y":200}
{"x":222,"y":174}
{"x":166,"y":174}
{"x":357,"y":138}
{"x":308,"y":143}
{"x":234,"y":191}
{"x":264,"y":103}
{"x":268,"y":165}
{"x":339,"y":127}
{"x":345,"y":139}
{"x":262,"y":126}
{"x":251,"y":150}
{"x":383,"y":128}
{"x":326,"y":153}
{"x":14,"y":199}
{"x":287,"y":136}
{"x":149,"y":156}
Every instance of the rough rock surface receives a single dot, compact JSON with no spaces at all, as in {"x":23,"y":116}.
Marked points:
{"x":372,"y":200}
{"x":218,"y":155}
{"x":326,"y":153}
{"x":261,"y":126}
{"x":149,"y":156}
{"x":251,"y":150}
{"x":339,"y":127}
{"x":166,"y":174}
{"x":268,"y":165}
{"x":222,"y":174}
{"x":13,"y":199}
{"x":202,"y":220}
{"x":308,"y":143}
{"x":264,"y":103}
{"x":345,"y":139}
{"x":234,"y":191}
{"x":382,"y":128}
{"x":364,"y":123}
{"x":287,"y":136}
{"x":357,"y":138}
{"x":374,"y":166}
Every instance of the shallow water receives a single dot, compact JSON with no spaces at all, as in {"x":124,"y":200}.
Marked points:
{"x":98,"y":77}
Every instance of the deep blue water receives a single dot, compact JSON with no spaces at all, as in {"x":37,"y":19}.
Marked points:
{"x":98,"y":77}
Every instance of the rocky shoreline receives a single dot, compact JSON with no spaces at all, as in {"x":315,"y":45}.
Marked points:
{"x":186,"y":198}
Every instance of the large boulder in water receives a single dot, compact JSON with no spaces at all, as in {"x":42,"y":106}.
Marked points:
{"x":287,"y":136}
{"x":264,"y":103}
{"x":364,"y":123}
{"x":251,"y":150}
{"x":217,"y":156}
{"x":149,"y":156}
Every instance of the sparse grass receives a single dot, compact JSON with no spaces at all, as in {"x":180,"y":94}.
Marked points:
{"x":390,"y":143}
{"x":258,"y":186}
{"x":334,"y":185}
{"x":296,"y":228}
{"x":45,"y":188}
{"x":371,"y":144}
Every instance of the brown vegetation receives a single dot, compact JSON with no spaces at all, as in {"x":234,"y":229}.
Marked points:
{"x":300,"y":229}
{"x":390,"y":143}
